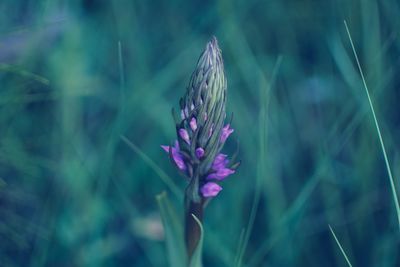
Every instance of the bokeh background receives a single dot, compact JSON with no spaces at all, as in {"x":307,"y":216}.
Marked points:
{"x":77,"y":75}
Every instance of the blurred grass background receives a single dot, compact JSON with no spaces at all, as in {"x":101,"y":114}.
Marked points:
{"x":76,"y":75}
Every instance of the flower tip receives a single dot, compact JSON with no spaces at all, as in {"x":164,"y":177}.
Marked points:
{"x":212,"y":47}
{"x":193,"y":124}
{"x":183,"y":133}
{"x":166,"y":148}
{"x":199,"y":152}
{"x":214,"y":41}
{"x":226,"y":132}
{"x":210,"y":189}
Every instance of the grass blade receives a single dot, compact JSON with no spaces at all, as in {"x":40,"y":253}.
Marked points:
{"x":24,"y":73}
{"x":340,"y":246}
{"x":392,"y":185}
{"x":173,"y":232}
{"x":164,"y":177}
{"x":262,"y":141}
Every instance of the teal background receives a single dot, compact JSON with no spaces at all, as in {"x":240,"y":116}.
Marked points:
{"x":76,"y":75}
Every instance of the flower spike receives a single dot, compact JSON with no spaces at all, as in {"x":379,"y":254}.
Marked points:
{"x":200,"y":130}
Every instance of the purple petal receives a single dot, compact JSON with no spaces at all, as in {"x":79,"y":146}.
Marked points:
{"x":210,"y":189}
{"x":220,"y":174}
{"x":193,"y":124}
{"x":174,"y":148}
{"x":226,"y":132}
{"x":179,"y":161}
{"x":176,"y":155}
{"x":184,"y":135}
{"x":166,"y":148}
{"x":219,"y":162}
{"x":199,"y":152}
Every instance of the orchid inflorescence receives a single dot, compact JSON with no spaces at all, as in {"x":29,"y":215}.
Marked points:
{"x":201,"y":132}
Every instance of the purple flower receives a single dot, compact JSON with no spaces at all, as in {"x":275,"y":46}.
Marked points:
{"x":176,"y":155}
{"x":199,"y":152}
{"x":226,"y":132}
{"x":193,"y":124}
{"x":220,"y":174}
{"x":210,"y":189}
{"x":219,"y":162}
{"x":184,"y":135}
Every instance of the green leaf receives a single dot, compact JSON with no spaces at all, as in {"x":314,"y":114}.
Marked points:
{"x":378,"y":129}
{"x":196,"y":258}
{"x":173,"y":229}
{"x":340,"y":246}
{"x":24,"y":73}
{"x":164,"y":177}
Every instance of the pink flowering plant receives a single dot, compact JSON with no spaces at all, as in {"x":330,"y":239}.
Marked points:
{"x":201,"y":134}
